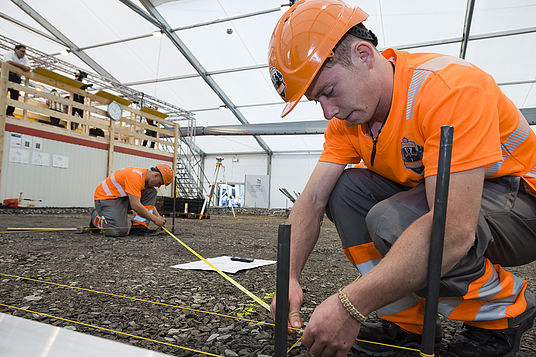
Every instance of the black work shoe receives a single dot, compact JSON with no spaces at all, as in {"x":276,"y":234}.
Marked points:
{"x":92,"y":228}
{"x":479,"y":342}
{"x":388,"y":333}
{"x":141,"y":230}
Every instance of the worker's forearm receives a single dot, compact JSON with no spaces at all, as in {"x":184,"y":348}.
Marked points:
{"x":18,"y":65}
{"x":305,"y":220}
{"x":404,"y":269}
{"x":143,"y":212}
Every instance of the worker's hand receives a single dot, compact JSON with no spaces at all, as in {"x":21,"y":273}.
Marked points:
{"x":331,"y":331}
{"x":160,"y":221}
{"x":295,"y":294}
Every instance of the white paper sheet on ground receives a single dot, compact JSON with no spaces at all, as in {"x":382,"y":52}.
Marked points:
{"x":224,"y":263}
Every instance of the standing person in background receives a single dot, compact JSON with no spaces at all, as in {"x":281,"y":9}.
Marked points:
{"x":18,"y":59}
{"x":79,"y":76}
{"x":387,"y":109}
{"x":55,"y":106}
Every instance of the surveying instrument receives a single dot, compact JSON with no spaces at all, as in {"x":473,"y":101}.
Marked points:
{"x":206,"y":203}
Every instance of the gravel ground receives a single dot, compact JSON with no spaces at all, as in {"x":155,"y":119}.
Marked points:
{"x":139,"y":267}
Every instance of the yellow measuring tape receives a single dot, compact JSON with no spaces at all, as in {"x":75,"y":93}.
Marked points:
{"x":231,"y":280}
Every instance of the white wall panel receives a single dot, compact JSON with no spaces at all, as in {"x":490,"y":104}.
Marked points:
{"x":292,"y":172}
{"x":235,"y":171}
{"x":63,"y":187}
{"x":56,"y":187}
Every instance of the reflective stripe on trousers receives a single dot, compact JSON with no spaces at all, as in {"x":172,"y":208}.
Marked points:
{"x":370,"y":212}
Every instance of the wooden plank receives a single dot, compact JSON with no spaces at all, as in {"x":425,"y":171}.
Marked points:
{"x":147,"y":126}
{"x":58,"y":77}
{"x":125,"y":131}
{"x":4,"y":75}
{"x":154,"y":112}
{"x":111,"y":148}
{"x":175,"y":149}
{"x":59,"y":99}
{"x":113,"y":98}
{"x":50,"y":112}
{"x":25,"y":100}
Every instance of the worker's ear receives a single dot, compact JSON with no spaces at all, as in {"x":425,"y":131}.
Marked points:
{"x":363,"y":52}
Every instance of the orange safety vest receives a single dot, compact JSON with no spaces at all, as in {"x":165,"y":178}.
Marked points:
{"x":431,"y":90}
{"x":120,"y":183}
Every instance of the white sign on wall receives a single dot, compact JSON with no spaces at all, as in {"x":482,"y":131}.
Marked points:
{"x":60,"y":161}
{"x":37,"y":143}
{"x":20,"y":156}
{"x":16,"y":140}
{"x":26,"y":141}
{"x":257,"y":191}
{"x":40,"y":158}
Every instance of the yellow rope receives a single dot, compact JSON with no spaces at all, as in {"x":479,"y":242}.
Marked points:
{"x":295,"y":343}
{"x":136,"y":299}
{"x":185,"y":308}
{"x":109,"y":330}
{"x":231,"y":280}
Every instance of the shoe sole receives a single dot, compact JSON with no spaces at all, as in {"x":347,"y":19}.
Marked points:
{"x":517,"y":344}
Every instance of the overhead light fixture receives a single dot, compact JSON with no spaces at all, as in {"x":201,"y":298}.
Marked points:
{"x":284,"y":7}
{"x":38,"y":88}
{"x":65,"y":52}
{"x":222,"y":107}
{"x":157,"y":33}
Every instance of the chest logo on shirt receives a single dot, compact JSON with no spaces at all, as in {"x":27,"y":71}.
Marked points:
{"x":412,"y":155}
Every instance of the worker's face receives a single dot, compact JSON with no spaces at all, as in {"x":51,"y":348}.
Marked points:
{"x":347,"y":93}
{"x":21,"y":52}
{"x":154,"y":179}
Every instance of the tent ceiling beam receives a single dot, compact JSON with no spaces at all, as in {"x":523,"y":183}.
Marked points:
{"x":138,"y":10}
{"x":55,"y":32}
{"x":292,"y":128}
{"x":467,"y":27}
{"x":163,"y":25}
{"x":287,"y":128}
{"x":195,"y":75}
{"x":401,"y":47}
{"x":30,"y":28}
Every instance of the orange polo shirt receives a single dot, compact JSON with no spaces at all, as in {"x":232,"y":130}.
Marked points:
{"x":120,"y":183}
{"x":489,"y":130}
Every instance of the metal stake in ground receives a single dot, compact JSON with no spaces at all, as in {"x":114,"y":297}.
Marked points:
{"x":436,"y":244}
{"x":174,"y":200}
{"x":281,"y":308}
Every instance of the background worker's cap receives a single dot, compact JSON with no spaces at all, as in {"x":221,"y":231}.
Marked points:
{"x":302,"y":40}
{"x":166,"y":172}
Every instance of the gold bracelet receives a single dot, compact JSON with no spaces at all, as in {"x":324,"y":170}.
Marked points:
{"x":350,"y":308}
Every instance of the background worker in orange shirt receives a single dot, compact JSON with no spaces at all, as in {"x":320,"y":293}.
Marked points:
{"x":387,"y":109}
{"x":129,"y":188}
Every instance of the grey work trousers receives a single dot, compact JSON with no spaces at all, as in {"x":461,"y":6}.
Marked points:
{"x":115,"y":212}
{"x":367,"y":207}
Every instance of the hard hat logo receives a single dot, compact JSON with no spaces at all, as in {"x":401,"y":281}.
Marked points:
{"x":278,"y":81}
{"x":303,"y":39}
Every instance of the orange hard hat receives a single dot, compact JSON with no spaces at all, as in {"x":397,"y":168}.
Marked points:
{"x":302,"y":40}
{"x":166,"y":172}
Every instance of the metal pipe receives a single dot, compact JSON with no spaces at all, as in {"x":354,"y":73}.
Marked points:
{"x":174,"y":201}
{"x":436,"y":244}
{"x":281,"y":308}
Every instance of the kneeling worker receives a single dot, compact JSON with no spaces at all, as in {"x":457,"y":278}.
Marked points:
{"x":129,"y":188}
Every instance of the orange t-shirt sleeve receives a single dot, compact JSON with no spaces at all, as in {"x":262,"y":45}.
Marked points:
{"x":466,"y":106}
{"x":134,"y":183}
{"x":338,"y":148}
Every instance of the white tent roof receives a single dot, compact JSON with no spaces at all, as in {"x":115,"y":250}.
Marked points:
{"x":236,"y":61}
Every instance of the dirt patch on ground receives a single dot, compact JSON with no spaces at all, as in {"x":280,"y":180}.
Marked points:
{"x":139,"y":267}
